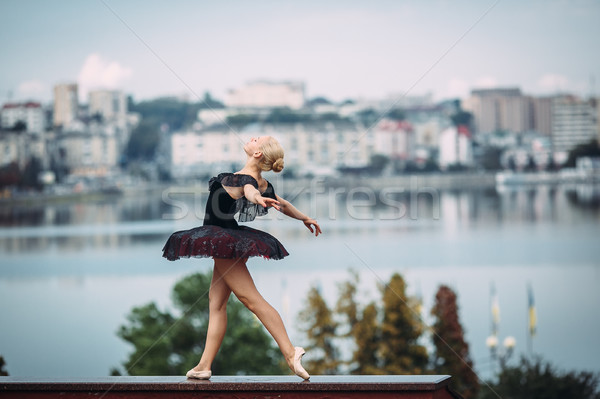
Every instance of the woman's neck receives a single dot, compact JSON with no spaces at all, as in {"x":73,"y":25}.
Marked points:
{"x":251,"y":168}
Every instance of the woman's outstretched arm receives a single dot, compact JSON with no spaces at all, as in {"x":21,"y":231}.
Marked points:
{"x":290,"y":210}
{"x":253,"y":195}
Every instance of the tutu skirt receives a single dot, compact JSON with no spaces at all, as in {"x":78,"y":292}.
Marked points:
{"x":219,"y":242}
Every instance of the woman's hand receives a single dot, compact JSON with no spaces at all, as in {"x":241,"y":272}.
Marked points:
{"x":267,"y":202}
{"x":309,"y":223}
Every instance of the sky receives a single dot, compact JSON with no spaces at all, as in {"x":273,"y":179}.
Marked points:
{"x":339,"y":49}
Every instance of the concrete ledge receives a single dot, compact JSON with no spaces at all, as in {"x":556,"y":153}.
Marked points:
{"x":407,"y":386}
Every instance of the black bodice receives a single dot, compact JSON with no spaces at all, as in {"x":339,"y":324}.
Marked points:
{"x":221,"y":207}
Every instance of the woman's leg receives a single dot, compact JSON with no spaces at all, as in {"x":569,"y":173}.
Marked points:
{"x":217,"y":319}
{"x":238,"y":279}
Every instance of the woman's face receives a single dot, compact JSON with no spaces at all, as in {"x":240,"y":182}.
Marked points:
{"x":253,"y":146}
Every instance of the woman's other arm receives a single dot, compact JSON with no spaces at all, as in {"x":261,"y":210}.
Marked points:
{"x":290,"y":210}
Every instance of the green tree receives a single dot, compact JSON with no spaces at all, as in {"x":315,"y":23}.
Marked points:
{"x":397,"y":114}
{"x":241,"y":120}
{"x":401,"y":329}
{"x":286,"y":115}
{"x":170,"y":344}
{"x":367,"y":335}
{"x":463,"y":118}
{"x":346,"y":304}
{"x":143,"y":141}
{"x":363,"y":328}
{"x":30,"y":177}
{"x":3,"y":367}
{"x":591,"y":149}
{"x":209,"y":102}
{"x":175,"y":113}
{"x":368,"y":117}
{"x":490,"y":158}
{"x":538,"y":379}
{"x":451,"y":354}
{"x":10,"y":174}
{"x":378,"y":162}
{"x":321,"y":328}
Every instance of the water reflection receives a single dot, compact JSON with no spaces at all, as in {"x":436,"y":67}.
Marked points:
{"x":106,"y":211}
{"x":82,"y":256}
{"x":124,"y":221}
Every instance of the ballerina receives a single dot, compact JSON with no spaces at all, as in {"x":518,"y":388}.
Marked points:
{"x":230,"y":245}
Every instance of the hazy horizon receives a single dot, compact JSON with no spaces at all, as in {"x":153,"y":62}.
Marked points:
{"x":339,"y":50}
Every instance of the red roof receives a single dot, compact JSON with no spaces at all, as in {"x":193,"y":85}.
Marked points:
{"x":394,"y":125}
{"x":29,"y":104}
{"x":464,"y":130}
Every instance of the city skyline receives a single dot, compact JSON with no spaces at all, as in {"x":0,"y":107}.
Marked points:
{"x":380,"y":49}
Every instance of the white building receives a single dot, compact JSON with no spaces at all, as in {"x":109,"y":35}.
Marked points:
{"x":321,"y":147}
{"x":266,"y":94}
{"x":30,"y":113}
{"x":455,"y":147}
{"x":214,"y":116}
{"x":21,"y":147}
{"x":87,"y":149}
{"x":310,"y":148}
{"x":574,"y":122}
{"x":110,"y":104}
{"x":66,"y":104}
{"x":395,"y":139}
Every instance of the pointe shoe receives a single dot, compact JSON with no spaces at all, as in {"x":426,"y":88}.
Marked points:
{"x":199,"y":375}
{"x":298,"y":369}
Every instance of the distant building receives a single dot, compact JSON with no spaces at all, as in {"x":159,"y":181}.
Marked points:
{"x":500,"y":109}
{"x":20,"y":147}
{"x":111,"y":105}
{"x":66,"y":104}
{"x":197,"y":153}
{"x":266,"y":94}
{"x":86,"y":149}
{"x":321,"y":146}
{"x":455,"y":147}
{"x":208,"y":116}
{"x":404,"y":101}
{"x":574,"y":122}
{"x":394,"y":139}
{"x":31,"y":114}
{"x":310,"y":148}
{"x":542,"y":115}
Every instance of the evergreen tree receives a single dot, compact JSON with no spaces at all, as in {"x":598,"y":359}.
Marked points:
{"x":144,"y":140}
{"x":321,"y":328}
{"x":346,"y":304}
{"x":166,"y":344}
{"x":451,"y":354}
{"x":2,"y":367}
{"x":363,"y":330}
{"x":367,"y":335}
{"x":538,"y":379}
{"x":401,"y":329}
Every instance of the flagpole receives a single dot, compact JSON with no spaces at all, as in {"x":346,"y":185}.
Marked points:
{"x":531,"y":318}
{"x":527,"y":326}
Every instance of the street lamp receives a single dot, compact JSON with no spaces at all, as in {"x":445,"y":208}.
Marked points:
{"x":503,"y":353}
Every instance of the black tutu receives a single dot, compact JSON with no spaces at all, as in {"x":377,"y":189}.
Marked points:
{"x":220,"y":236}
{"x":219,"y":242}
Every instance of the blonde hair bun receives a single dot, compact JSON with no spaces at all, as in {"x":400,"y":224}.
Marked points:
{"x":272,"y":158}
{"x":278,"y":165}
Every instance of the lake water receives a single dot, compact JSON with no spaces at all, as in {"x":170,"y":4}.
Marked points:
{"x":71,"y":272}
